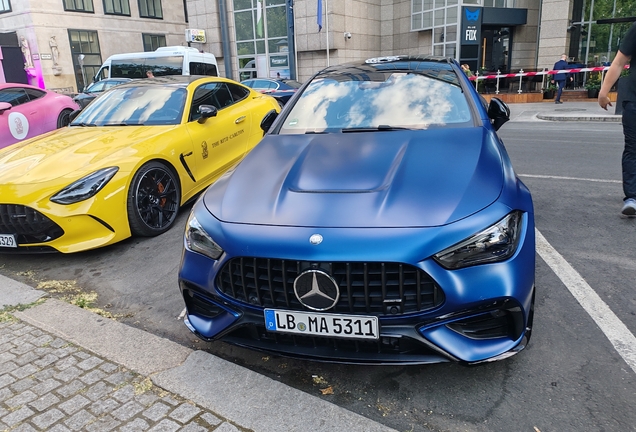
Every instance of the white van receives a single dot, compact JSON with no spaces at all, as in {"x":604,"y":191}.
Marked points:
{"x":173,"y":60}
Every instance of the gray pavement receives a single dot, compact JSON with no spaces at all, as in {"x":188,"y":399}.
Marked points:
{"x":63,"y":368}
{"x":567,"y":111}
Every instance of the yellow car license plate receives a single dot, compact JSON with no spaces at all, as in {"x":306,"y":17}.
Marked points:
{"x":8,"y":240}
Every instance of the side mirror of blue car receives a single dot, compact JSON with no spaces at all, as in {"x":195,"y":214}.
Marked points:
{"x":268,"y":120}
{"x":498,"y":112}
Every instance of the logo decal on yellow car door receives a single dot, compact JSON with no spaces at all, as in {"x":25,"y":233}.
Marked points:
{"x":204,"y":150}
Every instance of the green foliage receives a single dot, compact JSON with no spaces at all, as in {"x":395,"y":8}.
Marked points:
{"x":604,"y":38}
{"x":550,"y":86}
{"x":593,"y":82}
{"x":6,"y":312}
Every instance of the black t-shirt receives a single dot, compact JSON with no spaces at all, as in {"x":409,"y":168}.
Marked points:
{"x":628,"y":47}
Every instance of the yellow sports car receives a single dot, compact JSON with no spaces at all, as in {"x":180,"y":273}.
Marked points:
{"x":126,"y":163}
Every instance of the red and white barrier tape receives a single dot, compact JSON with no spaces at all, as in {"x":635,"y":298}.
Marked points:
{"x":545,"y":72}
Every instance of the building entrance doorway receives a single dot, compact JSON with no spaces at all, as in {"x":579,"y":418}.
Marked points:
{"x":496,"y":49}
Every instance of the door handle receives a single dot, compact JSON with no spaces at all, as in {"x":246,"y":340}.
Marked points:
{"x":240,"y":119}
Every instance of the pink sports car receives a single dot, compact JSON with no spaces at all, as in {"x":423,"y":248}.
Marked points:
{"x":27,"y":111}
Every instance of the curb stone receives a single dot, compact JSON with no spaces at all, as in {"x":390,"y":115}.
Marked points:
{"x":246,"y":400}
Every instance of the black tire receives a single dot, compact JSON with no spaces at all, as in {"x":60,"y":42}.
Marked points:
{"x":64,"y":118}
{"x":281,"y":104}
{"x":153,"y":200}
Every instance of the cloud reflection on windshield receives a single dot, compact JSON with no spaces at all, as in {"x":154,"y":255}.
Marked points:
{"x":403,"y":100}
{"x":135,"y":106}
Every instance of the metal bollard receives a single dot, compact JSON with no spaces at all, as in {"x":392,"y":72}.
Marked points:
{"x":520,"y":81}
{"x":498,"y":73}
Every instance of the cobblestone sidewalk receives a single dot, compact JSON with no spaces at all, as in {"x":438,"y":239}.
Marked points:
{"x":48,"y":384}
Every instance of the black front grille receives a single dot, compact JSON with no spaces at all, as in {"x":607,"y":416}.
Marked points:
{"x":29,"y":226}
{"x":379,"y":289}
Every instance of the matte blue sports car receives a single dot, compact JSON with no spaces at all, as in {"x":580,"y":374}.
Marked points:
{"x":378,"y":221}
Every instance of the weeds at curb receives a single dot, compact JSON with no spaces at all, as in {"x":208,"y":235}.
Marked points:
{"x":68,"y":291}
{"x":6,"y":314}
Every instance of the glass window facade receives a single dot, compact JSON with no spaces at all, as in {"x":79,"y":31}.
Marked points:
{"x":150,"y":9}
{"x":153,"y":41}
{"x":87,"y":58}
{"x":261,"y":38}
{"x":79,"y":5}
{"x":117,"y":7}
{"x":593,"y":44}
{"x":5,"y":6}
{"x":499,"y":3}
{"x":441,"y":16}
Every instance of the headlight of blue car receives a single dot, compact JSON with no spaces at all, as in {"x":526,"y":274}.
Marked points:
{"x":494,"y":244}
{"x":198,"y":240}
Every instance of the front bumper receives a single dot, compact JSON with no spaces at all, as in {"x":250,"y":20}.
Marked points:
{"x":40,"y":225}
{"x":486,"y":312}
{"x":402,"y":342}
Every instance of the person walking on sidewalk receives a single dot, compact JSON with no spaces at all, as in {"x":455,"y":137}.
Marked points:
{"x":626,"y":54}
{"x":560,"y":78}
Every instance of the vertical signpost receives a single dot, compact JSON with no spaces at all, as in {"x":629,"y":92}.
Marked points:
{"x":470,"y":38}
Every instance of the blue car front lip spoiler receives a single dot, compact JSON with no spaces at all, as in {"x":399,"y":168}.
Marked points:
{"x":356,"y":358}
{"x":253,"y":322}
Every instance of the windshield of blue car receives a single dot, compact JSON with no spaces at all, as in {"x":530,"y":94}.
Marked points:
{"x":135,"y":106}
{"x":391,"y":101}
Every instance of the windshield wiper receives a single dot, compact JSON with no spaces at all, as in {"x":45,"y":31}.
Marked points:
{"x":84,"y":124}
{"x":374,"y":129}
{"x":315,"y":132}
{"x":122,"y":124}
{"x":442,"y":78}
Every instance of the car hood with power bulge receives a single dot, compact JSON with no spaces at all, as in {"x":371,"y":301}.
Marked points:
{"x":69,"y":150}
{"x":362,"y":179}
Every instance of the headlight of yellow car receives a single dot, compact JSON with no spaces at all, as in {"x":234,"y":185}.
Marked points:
{"x":85,"y":187}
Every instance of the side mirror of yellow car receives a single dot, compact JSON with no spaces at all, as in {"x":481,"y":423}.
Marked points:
{"x":74,"y":114}
{"x":206,"y":112}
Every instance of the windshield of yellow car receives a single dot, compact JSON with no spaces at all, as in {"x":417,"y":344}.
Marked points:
{"x":379,"y":101}
{"x":135,"y":106}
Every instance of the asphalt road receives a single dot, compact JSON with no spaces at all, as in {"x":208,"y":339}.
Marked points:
{"x":570,"y":378}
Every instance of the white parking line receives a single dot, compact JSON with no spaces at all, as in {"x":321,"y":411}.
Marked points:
{"x":570,"y":178}
{"x":618,"y":334}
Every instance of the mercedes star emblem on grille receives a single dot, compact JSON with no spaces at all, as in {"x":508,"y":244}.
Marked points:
{"x":315,"y":239}
{"x":316,"y":290}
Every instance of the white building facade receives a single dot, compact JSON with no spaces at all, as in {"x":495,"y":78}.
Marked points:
{"x":68,"y":39}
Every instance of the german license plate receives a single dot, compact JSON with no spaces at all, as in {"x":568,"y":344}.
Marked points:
{"x":8,"y":240}
{"x":321,"y":324}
